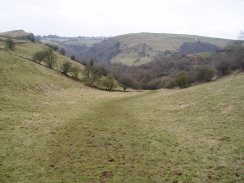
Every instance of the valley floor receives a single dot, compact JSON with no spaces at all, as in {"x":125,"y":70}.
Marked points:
{"x":53,"y":129}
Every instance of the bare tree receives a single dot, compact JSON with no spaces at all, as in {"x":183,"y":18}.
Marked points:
{"x":50,"y":58}
{"x":109,"y":82}
{"x":39,"y":56}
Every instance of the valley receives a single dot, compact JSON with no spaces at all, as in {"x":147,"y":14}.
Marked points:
{"x":122,"y":91}
{"x":55,"y":129}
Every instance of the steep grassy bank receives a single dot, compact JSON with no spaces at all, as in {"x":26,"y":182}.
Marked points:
{"x":34,"y":102}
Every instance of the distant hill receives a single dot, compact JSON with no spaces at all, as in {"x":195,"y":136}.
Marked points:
{"x":80,"y":40}
{"x":18,"y":34}
{"x":141,"y":48}
{"x":73,"y":45}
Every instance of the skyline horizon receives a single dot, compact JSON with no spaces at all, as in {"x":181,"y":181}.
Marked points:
{"x":105,"y":36}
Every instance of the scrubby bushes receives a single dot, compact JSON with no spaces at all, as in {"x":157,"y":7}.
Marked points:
{"x":46,"y":56}
{"x":72,"y":70}
{"x":39,"y":56}
{"x":9,"y":44}
{"x":66,"y":67}
{"x":182,"y":79}
{"x":202,"y":74}
{"x":232,"y":59}
{"x":49,"y":58}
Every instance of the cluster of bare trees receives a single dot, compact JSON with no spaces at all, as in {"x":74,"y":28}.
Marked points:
{"x":98,"y":77}
{"x":48,"y":57}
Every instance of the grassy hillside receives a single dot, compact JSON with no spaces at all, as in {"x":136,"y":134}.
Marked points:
{"x":53,"y":129}
{"x":161,"y":41}
{"x":142,"y":47}
{"x":15,"y":33}
{"x":18,"y":34}
{"x":27,"y":49}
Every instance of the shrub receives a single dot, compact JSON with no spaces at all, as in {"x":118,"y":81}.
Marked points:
{"x":9,"y":44}
{"x":39,"y":56}
{"x":65,"y":68}
{"x":203,"y":73}
{"x":182,"y":79}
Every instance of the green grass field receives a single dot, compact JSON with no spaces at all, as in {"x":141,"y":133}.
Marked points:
{"x":54,"y":129}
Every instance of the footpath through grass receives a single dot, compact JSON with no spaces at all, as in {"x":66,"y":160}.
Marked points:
{"x":192,"y":135}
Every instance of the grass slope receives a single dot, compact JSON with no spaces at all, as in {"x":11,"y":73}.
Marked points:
{"x":163,"y":41}
{"x":53,"y":129}
{"x":27,"y":49}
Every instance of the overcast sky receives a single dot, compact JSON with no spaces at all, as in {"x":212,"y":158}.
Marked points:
{"x":214,"y":18}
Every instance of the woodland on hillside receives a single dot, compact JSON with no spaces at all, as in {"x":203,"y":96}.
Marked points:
{"x":179,"y":70}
